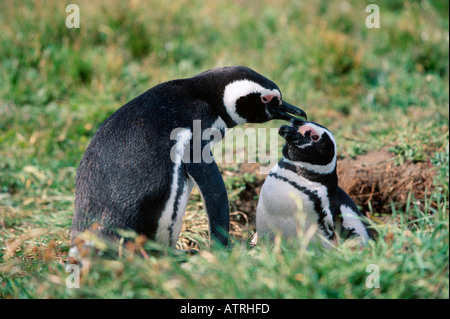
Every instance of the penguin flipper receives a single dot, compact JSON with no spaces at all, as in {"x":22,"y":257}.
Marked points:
{"x":353,"y":220}
{"x":210,"y":183}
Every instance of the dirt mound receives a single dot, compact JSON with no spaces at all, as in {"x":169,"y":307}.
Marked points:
{"x":371,"y":178}
{"x":375,"y":178}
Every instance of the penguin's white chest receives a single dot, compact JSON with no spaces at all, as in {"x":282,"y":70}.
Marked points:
{"x":289,"y":203}
{"x":280,"y":209}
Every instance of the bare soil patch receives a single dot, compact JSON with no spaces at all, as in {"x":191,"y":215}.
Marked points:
{"x":375,"y":178}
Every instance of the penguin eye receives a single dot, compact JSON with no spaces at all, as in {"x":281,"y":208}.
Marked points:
{"x":312,"y":135}
{"x":315,"y":138}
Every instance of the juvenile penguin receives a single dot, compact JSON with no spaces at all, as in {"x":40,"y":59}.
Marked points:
{"x":307,"y":174}
{"x":142,"y":163}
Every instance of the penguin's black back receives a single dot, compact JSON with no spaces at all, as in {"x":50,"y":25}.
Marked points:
{"x":124,"y":177}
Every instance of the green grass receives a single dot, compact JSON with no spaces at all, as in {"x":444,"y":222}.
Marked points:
{"x":412,"y":256}
{"x":381,"y":88}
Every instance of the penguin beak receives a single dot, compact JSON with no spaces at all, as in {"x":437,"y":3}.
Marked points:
{"x":289,"y":133}
{"x":284,"y":111}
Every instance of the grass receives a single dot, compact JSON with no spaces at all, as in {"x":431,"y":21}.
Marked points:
{"x":374,"y":88}
{"x":410,"y":255}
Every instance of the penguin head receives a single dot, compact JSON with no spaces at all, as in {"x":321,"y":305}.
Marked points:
{"x":249,"y":97}
{"x":310,"y":146}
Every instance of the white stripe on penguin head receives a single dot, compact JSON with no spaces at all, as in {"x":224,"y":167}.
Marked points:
{"x":240,"y":88}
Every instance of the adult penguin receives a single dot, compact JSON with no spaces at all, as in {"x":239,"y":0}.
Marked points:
{"x":307,"y":174}
{"x":140,"y":166}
